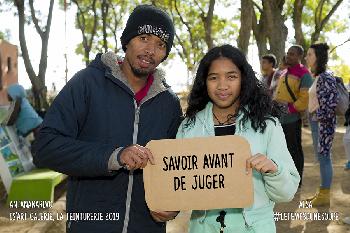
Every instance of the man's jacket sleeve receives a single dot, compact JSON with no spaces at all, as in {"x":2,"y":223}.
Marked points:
{"x":57,"y":146}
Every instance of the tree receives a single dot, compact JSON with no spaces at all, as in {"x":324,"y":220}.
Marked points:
{"x":335,"y":47}
{"x":266,"y":19}
{"x":268,"y":23}
{"x":342,"y":70}
{"x":104,"y":15}
{"x":322,"y":17}
{"x":321,"y":22}
{"x":86,"y":21}
{"x":5,"y":35}
{"x":37,"y":80}
{"x":115,"y":21}
{"x":99,"y":21}
{"x":192,"y":19}
{"x":247,"y":12}
{"x":197,"y":29}
{"x":298,"y":21}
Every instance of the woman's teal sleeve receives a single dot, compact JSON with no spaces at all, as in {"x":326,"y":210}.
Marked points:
{"x":283,"y":184}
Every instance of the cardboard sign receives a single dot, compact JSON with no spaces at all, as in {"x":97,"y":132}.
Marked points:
{"x":198,"y":174}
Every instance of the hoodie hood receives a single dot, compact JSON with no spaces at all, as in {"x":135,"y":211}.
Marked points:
{"x":16,"y":91}
{"x":112,"y":62}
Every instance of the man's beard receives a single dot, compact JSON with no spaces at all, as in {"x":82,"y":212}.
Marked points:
{"x":140,"y":73}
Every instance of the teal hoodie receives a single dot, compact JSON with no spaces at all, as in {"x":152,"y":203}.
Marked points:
{"x":27,"y":119}
{"x":268,"y":188}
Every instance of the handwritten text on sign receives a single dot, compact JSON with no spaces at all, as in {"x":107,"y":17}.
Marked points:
{"x":199,"y":174}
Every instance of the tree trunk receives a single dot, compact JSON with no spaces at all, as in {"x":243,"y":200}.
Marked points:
{"x":297,"y":22}
{"x":259,"y":32}
{"x":104,"y":10}
{"x":88,"y":36}
{"x":247,"y":12}
{"x":261,"y":43}
{"x":208,"y":22}
{"x":276,"y":29}
{"x":319,"y":22}
{"x":38,"y":81}
{"x":87,"y":56}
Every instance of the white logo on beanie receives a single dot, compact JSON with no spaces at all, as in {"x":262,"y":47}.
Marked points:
{"x":157,"y":31}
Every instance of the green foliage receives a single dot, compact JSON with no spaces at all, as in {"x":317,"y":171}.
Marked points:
{"x":342,"y":70}
{"x":117,"y":9}
{"x":190,"y":41}
{"x":2,"y":36}
{"x":6,"y":35}
{"x":333,"y":25}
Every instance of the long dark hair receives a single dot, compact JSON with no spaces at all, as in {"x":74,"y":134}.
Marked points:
{"x":321,"y":52}
{"x":253,"y":94}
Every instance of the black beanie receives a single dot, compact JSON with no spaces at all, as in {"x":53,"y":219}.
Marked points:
{"x":148,"y":19}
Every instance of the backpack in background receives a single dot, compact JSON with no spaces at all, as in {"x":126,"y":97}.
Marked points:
{"x":343,"y":97}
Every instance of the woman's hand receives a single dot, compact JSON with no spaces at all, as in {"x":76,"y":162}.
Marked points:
{"x":261,"y":163}
{"x":164,"y":216}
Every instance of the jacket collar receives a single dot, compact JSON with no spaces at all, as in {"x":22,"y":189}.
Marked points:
{"x":159,"y":84}
{"x":298,"y":70}
{"x":205,"y":117}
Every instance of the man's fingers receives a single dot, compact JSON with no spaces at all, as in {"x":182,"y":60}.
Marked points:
{"x":150,"y":156}
{"x":144,"y":163}
{"x":129,"y":163}
{"x":136,"y":156}
{"x":146,"y":153}
{"x":143,"y":154}
{"x":140,"y":161}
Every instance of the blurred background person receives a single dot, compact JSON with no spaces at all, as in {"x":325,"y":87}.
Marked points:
{"x":327,"y":99}
{"x":282,"y":69}
{"x":292,"y":92}
{"x":26,"y":119}
{"x":268,"y":63}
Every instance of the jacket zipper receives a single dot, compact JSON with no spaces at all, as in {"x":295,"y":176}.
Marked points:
{"x":131,"y":177}
{"x":134,"y":139}
{"x":245,"y":219}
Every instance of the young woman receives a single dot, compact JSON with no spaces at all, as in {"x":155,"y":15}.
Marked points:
{"x":327,"y":99}
{"x":227,"y":99}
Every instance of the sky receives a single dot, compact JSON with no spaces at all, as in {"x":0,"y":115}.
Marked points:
{"x":59,"y":44}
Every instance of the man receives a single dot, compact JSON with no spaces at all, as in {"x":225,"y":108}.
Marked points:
{"x":268,"y":64}
{"x":292,"y":90}
{"x":97,"y":127}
